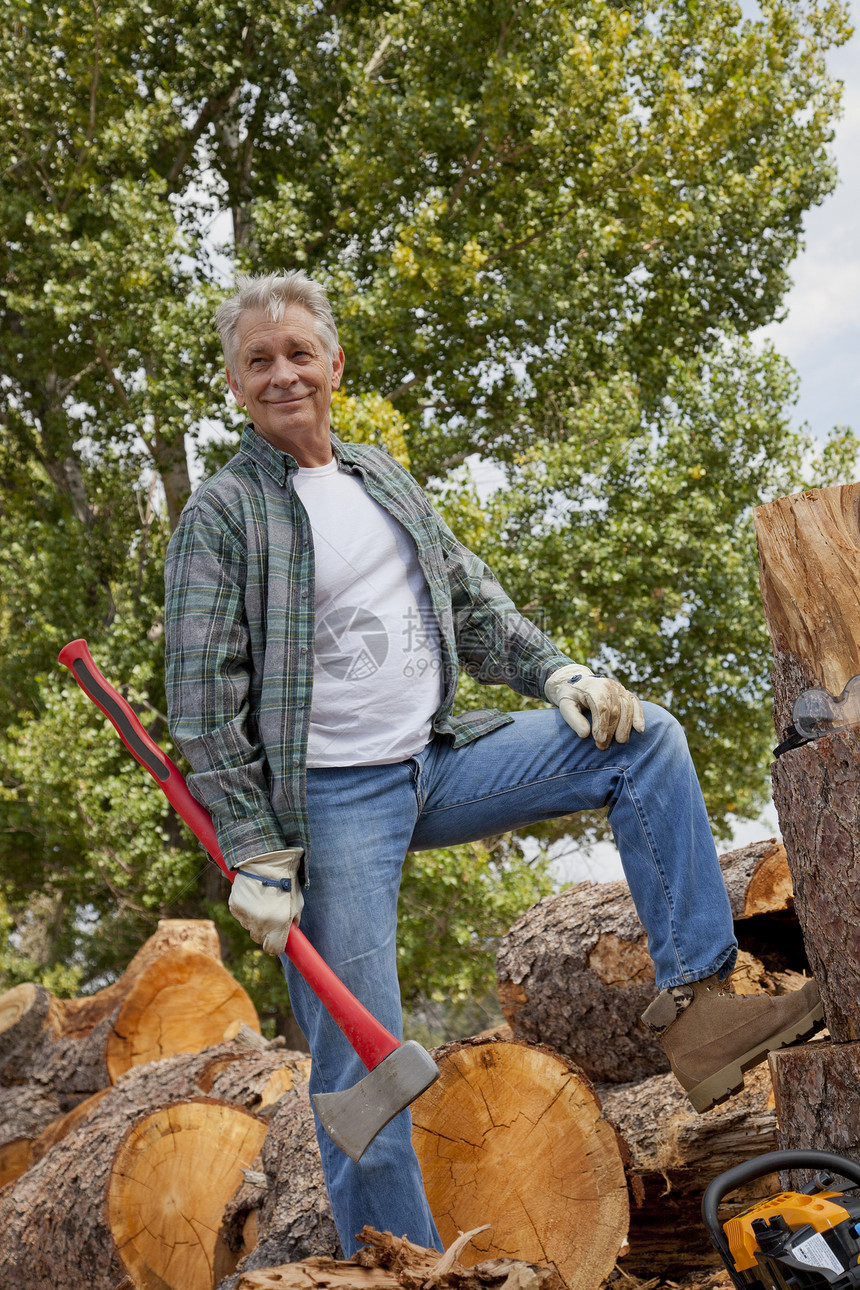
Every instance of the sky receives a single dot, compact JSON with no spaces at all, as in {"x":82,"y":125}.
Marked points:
{"x":820,"y":336}
{"x":821,"y":333}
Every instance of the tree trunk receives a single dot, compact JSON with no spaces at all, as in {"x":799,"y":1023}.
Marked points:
{"x":512,"y":1136}
{"x":809,"y":554}
{"x":575,"y":972}
{"x":674,"y":1154}
{"x":826,"y":1115}
{"x":53,"y":1219}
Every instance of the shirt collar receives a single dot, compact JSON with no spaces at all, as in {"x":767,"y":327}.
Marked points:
{"x":281,"y":464}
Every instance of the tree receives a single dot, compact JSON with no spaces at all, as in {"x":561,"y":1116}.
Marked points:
{"x":548,"y":229}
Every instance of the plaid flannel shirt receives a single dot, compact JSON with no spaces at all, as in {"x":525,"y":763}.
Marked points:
{"x":239,"y":631}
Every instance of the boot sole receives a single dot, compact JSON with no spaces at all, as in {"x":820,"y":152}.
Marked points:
{"x":730,"y":1080}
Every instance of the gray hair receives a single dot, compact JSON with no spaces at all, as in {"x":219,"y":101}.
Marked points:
{"x":275,"y":293}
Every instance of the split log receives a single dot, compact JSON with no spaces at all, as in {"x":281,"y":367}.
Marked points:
{"x":511,"y":1135}
{"x":53,"y":1228}
{"x":809,"y":554}
{"x":387,"y":1262}
{"x":574,"y":972}
{"x":817,"y":1105}
{"x":674,"y":1154}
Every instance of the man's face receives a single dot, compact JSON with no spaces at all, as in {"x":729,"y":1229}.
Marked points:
{"x":284,"y":379}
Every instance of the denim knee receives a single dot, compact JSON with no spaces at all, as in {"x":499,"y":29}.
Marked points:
{"x":663,"y":732}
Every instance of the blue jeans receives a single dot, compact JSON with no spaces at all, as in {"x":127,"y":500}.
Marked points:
{"x":363,"y":821}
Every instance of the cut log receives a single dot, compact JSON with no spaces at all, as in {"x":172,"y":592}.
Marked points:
{"x":674,"y":1154}
{"x":59,"y":1129}
{"x":181,"y":1003}
{"x":817,"y":1090}
{"x":53,"y":1228}
{"x":281,"y":1213}
{"x":175,"y":996}
{"x":809,"y":554}
{"x":32,"y":1020}
{"x":59,"y":1044}
{"x":388,"y":1262}
{"x":172,"y":1175}
{"x":574,"y":972}
{"x":512,"y":1135}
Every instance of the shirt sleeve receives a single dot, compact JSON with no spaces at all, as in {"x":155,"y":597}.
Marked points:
{"x":496,"y":644}
{"x":208,"y":671}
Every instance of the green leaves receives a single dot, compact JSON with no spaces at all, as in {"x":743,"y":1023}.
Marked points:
{"x":548,"y":230}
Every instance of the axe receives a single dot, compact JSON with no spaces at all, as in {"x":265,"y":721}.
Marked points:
{"x":398,"y":1073}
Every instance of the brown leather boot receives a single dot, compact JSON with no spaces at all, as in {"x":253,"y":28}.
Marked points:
{"x":711,"y":1036}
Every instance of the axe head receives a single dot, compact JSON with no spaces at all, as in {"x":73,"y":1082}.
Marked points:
{"x":353,"y":1117}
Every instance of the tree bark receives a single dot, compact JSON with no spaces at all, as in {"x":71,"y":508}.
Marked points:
{"x":809,"y":549}
{"x":826,"y":1115}
{"x":512,"y":1136}
{"x":674,"y":1154}
{"x":281,"y":1214}
{"x":575,"y":972}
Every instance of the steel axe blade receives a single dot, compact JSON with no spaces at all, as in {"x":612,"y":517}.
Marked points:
{"x":353,"y":1117}
{"x":383,"y":1093}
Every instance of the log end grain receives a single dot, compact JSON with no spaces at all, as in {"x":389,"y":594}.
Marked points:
{"x":513,"y":1135}
{"x":171,"y":1178}
{"x":180,"y":1003}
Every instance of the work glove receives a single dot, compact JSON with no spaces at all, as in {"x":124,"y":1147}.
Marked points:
{"x":267,"y":897}
{"x":614,"y":711}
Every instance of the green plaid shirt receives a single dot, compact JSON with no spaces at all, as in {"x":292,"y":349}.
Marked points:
{"x":239,"y":629}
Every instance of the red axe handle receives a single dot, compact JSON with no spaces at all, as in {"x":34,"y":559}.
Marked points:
{"x":368,"y":1037}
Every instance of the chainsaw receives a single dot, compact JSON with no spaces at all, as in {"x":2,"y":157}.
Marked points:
{"x":796,"y":1240}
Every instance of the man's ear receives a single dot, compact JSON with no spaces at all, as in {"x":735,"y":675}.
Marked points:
{"x":337,"y":368}
{"x":235,"y":388}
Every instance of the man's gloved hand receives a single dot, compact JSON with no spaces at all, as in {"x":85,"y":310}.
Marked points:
{"x":614,"y":711}
{"x":267,"y":896}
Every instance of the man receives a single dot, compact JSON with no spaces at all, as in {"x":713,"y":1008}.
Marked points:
{"x":318,"y":611}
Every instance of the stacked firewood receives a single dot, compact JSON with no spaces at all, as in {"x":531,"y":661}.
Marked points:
{"x":152,"y":1137}
{"x":575,"y":973}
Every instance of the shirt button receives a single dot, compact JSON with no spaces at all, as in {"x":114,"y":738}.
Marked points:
{"x":305,"y":595}
{"x":295,"y":761}
{"x":303,"y":650}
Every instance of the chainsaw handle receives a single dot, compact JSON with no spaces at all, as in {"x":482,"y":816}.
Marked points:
{"x":769,"y":1163}
{"x":371,"y":1041}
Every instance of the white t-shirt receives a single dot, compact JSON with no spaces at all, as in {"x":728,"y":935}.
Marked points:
{"x":377,"y":660}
